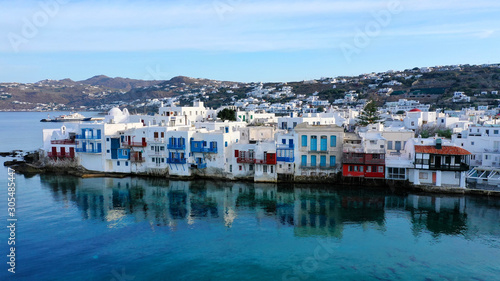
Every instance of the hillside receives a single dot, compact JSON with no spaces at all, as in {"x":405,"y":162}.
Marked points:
{"x":429,"y":85}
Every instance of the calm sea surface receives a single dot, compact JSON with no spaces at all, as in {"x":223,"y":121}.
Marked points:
{"x":150,"y":229}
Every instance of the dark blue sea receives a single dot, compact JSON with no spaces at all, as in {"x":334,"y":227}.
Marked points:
{"x":154,"y":229}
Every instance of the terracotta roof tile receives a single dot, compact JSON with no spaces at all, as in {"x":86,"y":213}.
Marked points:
{"x":445,"y":150}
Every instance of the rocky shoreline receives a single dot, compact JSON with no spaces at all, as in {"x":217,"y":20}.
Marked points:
{"x":32,"y":164}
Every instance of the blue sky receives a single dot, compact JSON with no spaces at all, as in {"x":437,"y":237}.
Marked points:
{"x":241,"y":40}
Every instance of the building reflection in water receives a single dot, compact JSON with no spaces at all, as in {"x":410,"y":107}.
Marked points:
{"x":310,"y":211}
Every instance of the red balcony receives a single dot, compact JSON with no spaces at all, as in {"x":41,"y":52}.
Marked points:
{"x":353,"y":158}
{"x":245,"y":160}
{"x":375,"y":159}
{"x":135,"y":144}
{"x":62,"y":142}
{"x":268,"y":161}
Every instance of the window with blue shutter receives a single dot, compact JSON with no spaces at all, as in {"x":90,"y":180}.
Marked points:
{"x":333,"y":141}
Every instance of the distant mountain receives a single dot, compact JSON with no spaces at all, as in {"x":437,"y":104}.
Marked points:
{"x":427,"y":85}
{"x":118,"y":82}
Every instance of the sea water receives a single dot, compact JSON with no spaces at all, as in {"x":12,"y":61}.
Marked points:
{"x":155,"y":229}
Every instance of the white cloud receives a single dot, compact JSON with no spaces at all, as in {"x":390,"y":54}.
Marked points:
{"x":245,"y":26}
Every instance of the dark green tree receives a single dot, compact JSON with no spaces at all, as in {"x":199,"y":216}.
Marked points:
{"x":369,"y":115}
{"x":227,"y":114}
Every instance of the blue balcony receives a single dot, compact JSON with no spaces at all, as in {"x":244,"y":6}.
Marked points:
{"x":176,"y":161}
{"x":285,"y":146}
{"x":89,"y":134}
{"x":84,"y":150}
{"x":204,"y":149}
{"x":285,"y":159}
{"x":176,"y":146}
{"x":87,"y":137}
{"x":199,"y":166}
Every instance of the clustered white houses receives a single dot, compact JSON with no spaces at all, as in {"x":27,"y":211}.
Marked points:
{"x":192,"y":142}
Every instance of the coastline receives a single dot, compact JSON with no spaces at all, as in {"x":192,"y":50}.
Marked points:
{"x":33,"y":165}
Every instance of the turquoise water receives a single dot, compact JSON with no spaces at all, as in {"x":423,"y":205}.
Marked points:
{"x":150,"y":229}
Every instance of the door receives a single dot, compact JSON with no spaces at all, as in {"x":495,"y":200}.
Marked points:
{"x":397,"y":145}
{"x":314,"y":143}
{"x":322,"y":161}
{"x":54,"y":151}
{"x":313,"y":160}
{"x":437,"y":161}
{"x":333,"y":161}
{"x":323,"y":143}
{"x":72,"y":152}
{"x":434,"y":177}
{"x":63,"y":151}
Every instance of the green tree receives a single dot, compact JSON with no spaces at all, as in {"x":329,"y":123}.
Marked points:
{"x":321,"y":109}
{"x":369,"y":115}
{"x":227,"y":114}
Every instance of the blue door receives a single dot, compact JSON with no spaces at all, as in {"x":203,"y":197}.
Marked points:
{"x":333,"y":160}
{"x":303,"y":161}
{"x":333,"y":141}
{"x":322,"y":161}
{"x":323,"y":143}
{"x":291,"y":142}
{"x":314,"y":143}
{"x":313,"y":160}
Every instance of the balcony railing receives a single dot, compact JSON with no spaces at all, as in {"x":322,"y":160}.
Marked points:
{"x":375,"y":161}
{"x":284,"y":146}
{"x":82,"y":150}
{"x":319,"y":151}
{"x":159,"y":153}
{"x":449,"y":167}
{"x":62,"y":142}
{"x":204,"y":149}
{"x":265,"y":161}
{"x":199,"y":166}
{"x":327,"y":167}
{"x":308,"y":167}
{"x":157,"y":140}
{"x":176,"y":160}
{"x":176,"y":146}
{"x":85,"y":137}
{"x":353,"y":160}
{"x":137,"y":159}
{"x":245,"y":160}
{"x":135,"y":144}
{"x":285,"y":159}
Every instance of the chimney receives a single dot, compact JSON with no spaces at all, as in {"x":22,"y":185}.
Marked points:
{"x":439,"y":143}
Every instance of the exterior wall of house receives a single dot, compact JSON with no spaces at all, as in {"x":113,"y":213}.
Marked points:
{"x":319,"y":150}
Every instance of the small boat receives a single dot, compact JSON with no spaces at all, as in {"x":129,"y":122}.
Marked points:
{"x":72,"y":117}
